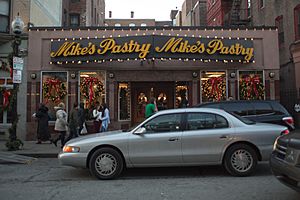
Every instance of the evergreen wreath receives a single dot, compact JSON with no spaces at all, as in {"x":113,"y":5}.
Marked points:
{"x":54,"y":90}
{"x":251,"y":88}
{"x":91,"y":88}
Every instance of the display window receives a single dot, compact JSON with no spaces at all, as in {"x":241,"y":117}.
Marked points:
{"x":92,"y":88}
{"x":181,"y":89}
{"x":213,"y":86}
{"x":251,"y":85}
{"x":54,"y":91}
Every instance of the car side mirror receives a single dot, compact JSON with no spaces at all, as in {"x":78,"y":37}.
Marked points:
{"x":140,"y":131}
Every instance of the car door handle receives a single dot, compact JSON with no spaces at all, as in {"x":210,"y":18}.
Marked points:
{"x":224,"y":136}
{"x":173,"y":139}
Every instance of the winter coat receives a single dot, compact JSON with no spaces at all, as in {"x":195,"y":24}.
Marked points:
{"x":81,"y":116}
{"x":73,"y":119}
{"x":43,"y":119}
{"x":61,"y":123}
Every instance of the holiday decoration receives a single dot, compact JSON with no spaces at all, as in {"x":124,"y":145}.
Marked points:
{"x":7,"y":95}
{"x":91,"y":88}
{"x":251,"y":87}
{"x":54,"y":90}
{"x":214,"y":88}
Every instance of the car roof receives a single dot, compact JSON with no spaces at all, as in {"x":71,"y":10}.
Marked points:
{"x":238,"y":101}
{"x":183,"y":110}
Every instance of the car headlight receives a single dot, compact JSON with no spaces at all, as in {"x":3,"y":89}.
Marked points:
{"x":70,"y":149}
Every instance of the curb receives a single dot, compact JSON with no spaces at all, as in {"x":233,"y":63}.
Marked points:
{"x":39,"y":155}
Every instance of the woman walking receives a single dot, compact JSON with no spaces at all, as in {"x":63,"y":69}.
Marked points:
{"x":61,"y":123}
{"x":104,"y":118}
{"x":42,"y":129}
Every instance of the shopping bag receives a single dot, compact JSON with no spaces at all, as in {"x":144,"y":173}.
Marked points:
{"x":83,"y":130}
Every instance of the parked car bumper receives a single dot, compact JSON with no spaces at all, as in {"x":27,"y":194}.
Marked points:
{"x":73,"y":159}
{"x":287,"y":173}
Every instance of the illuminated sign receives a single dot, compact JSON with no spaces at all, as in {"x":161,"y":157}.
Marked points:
{"x":148,"y":47}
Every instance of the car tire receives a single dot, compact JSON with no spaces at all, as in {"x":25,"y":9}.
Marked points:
{"x":106,"y":163}
{"x":240,"y":160}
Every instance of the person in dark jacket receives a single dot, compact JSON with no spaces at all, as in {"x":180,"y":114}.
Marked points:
{"x":43,"y":121}
{"x":73,"y":123}
{"x":81,"y":117}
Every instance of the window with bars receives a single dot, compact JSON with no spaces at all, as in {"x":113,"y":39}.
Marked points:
{"x":261,"y":3}
{"x":74,"y":20}
{"x":279,"y":25}
{"x":297,"y":22}
{"x":4,"y":16}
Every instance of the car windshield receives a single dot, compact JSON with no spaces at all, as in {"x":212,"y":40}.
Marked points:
{"x":244,"y":120}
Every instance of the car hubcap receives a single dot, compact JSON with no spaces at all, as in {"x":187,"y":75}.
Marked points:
{"x":241,"y":160}
{"x":106,"y":164}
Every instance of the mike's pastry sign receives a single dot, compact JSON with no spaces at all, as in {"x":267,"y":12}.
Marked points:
{"x":148,"y":47}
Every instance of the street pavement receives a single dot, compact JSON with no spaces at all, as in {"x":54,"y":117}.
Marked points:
{"x":46,"y":179}
{"x":27,"y":152}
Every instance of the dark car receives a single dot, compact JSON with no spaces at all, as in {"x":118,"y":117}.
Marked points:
{"x":285,"y":160}
{"x":266,"y":111}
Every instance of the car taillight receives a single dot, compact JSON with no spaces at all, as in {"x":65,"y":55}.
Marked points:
{"x":285,"y":132}
{"x":288,"y":120}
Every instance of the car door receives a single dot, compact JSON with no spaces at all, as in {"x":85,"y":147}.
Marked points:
{"x":205,"y":137}
{"x":160,"y":144}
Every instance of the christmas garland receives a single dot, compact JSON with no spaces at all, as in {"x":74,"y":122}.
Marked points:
{"x":91,"y":88}
{"x":54,"y":90}
{"x":251,"y":88}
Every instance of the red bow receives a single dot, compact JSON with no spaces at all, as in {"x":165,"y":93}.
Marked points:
{"x":6,"y":95}
{"x":252,"y":83}
{"x":215,"y":81}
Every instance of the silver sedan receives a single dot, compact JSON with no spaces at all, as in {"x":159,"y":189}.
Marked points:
{"x":177,"y":137}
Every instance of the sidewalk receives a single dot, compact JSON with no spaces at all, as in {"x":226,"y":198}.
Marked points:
{"x":31,"y":149}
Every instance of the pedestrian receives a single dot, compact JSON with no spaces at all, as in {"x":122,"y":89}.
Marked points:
{"x":105,"y":119}
{"x":61,"y":124}
{"x":81,"y":117}
{"x":43,"y":122}
{"x":151,"y":107}
{"x":97,"y":117}
{"x":73,"y":122}
{"x":184,"y":102}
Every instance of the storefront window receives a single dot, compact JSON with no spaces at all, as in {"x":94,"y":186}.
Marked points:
{"x":92,"y":88}
{"x":251,"y":85}
{"x":124,"y":101}
{"x":213,"y":86}
{"x":54,"y":90}
{"x":181,"y":94}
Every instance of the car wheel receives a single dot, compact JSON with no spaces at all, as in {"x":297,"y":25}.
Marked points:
{"x":240,"y":160}
{"x":106,"y":163}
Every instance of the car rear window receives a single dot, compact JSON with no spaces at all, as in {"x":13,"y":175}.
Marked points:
{"x":263,"y":108}
{"x":279,"y":109}
{"x":240,"y":108}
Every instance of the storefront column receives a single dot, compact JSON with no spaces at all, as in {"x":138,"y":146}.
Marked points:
{"x":110,"y":99}
{"x":195,"y":92}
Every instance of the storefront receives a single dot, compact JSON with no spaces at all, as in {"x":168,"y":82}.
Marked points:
{"x":125,"y":67}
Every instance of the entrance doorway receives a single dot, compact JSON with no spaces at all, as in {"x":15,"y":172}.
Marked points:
{"x":143,"y":91}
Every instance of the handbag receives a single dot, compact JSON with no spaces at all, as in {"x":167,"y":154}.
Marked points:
{"x":83,"y":130}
